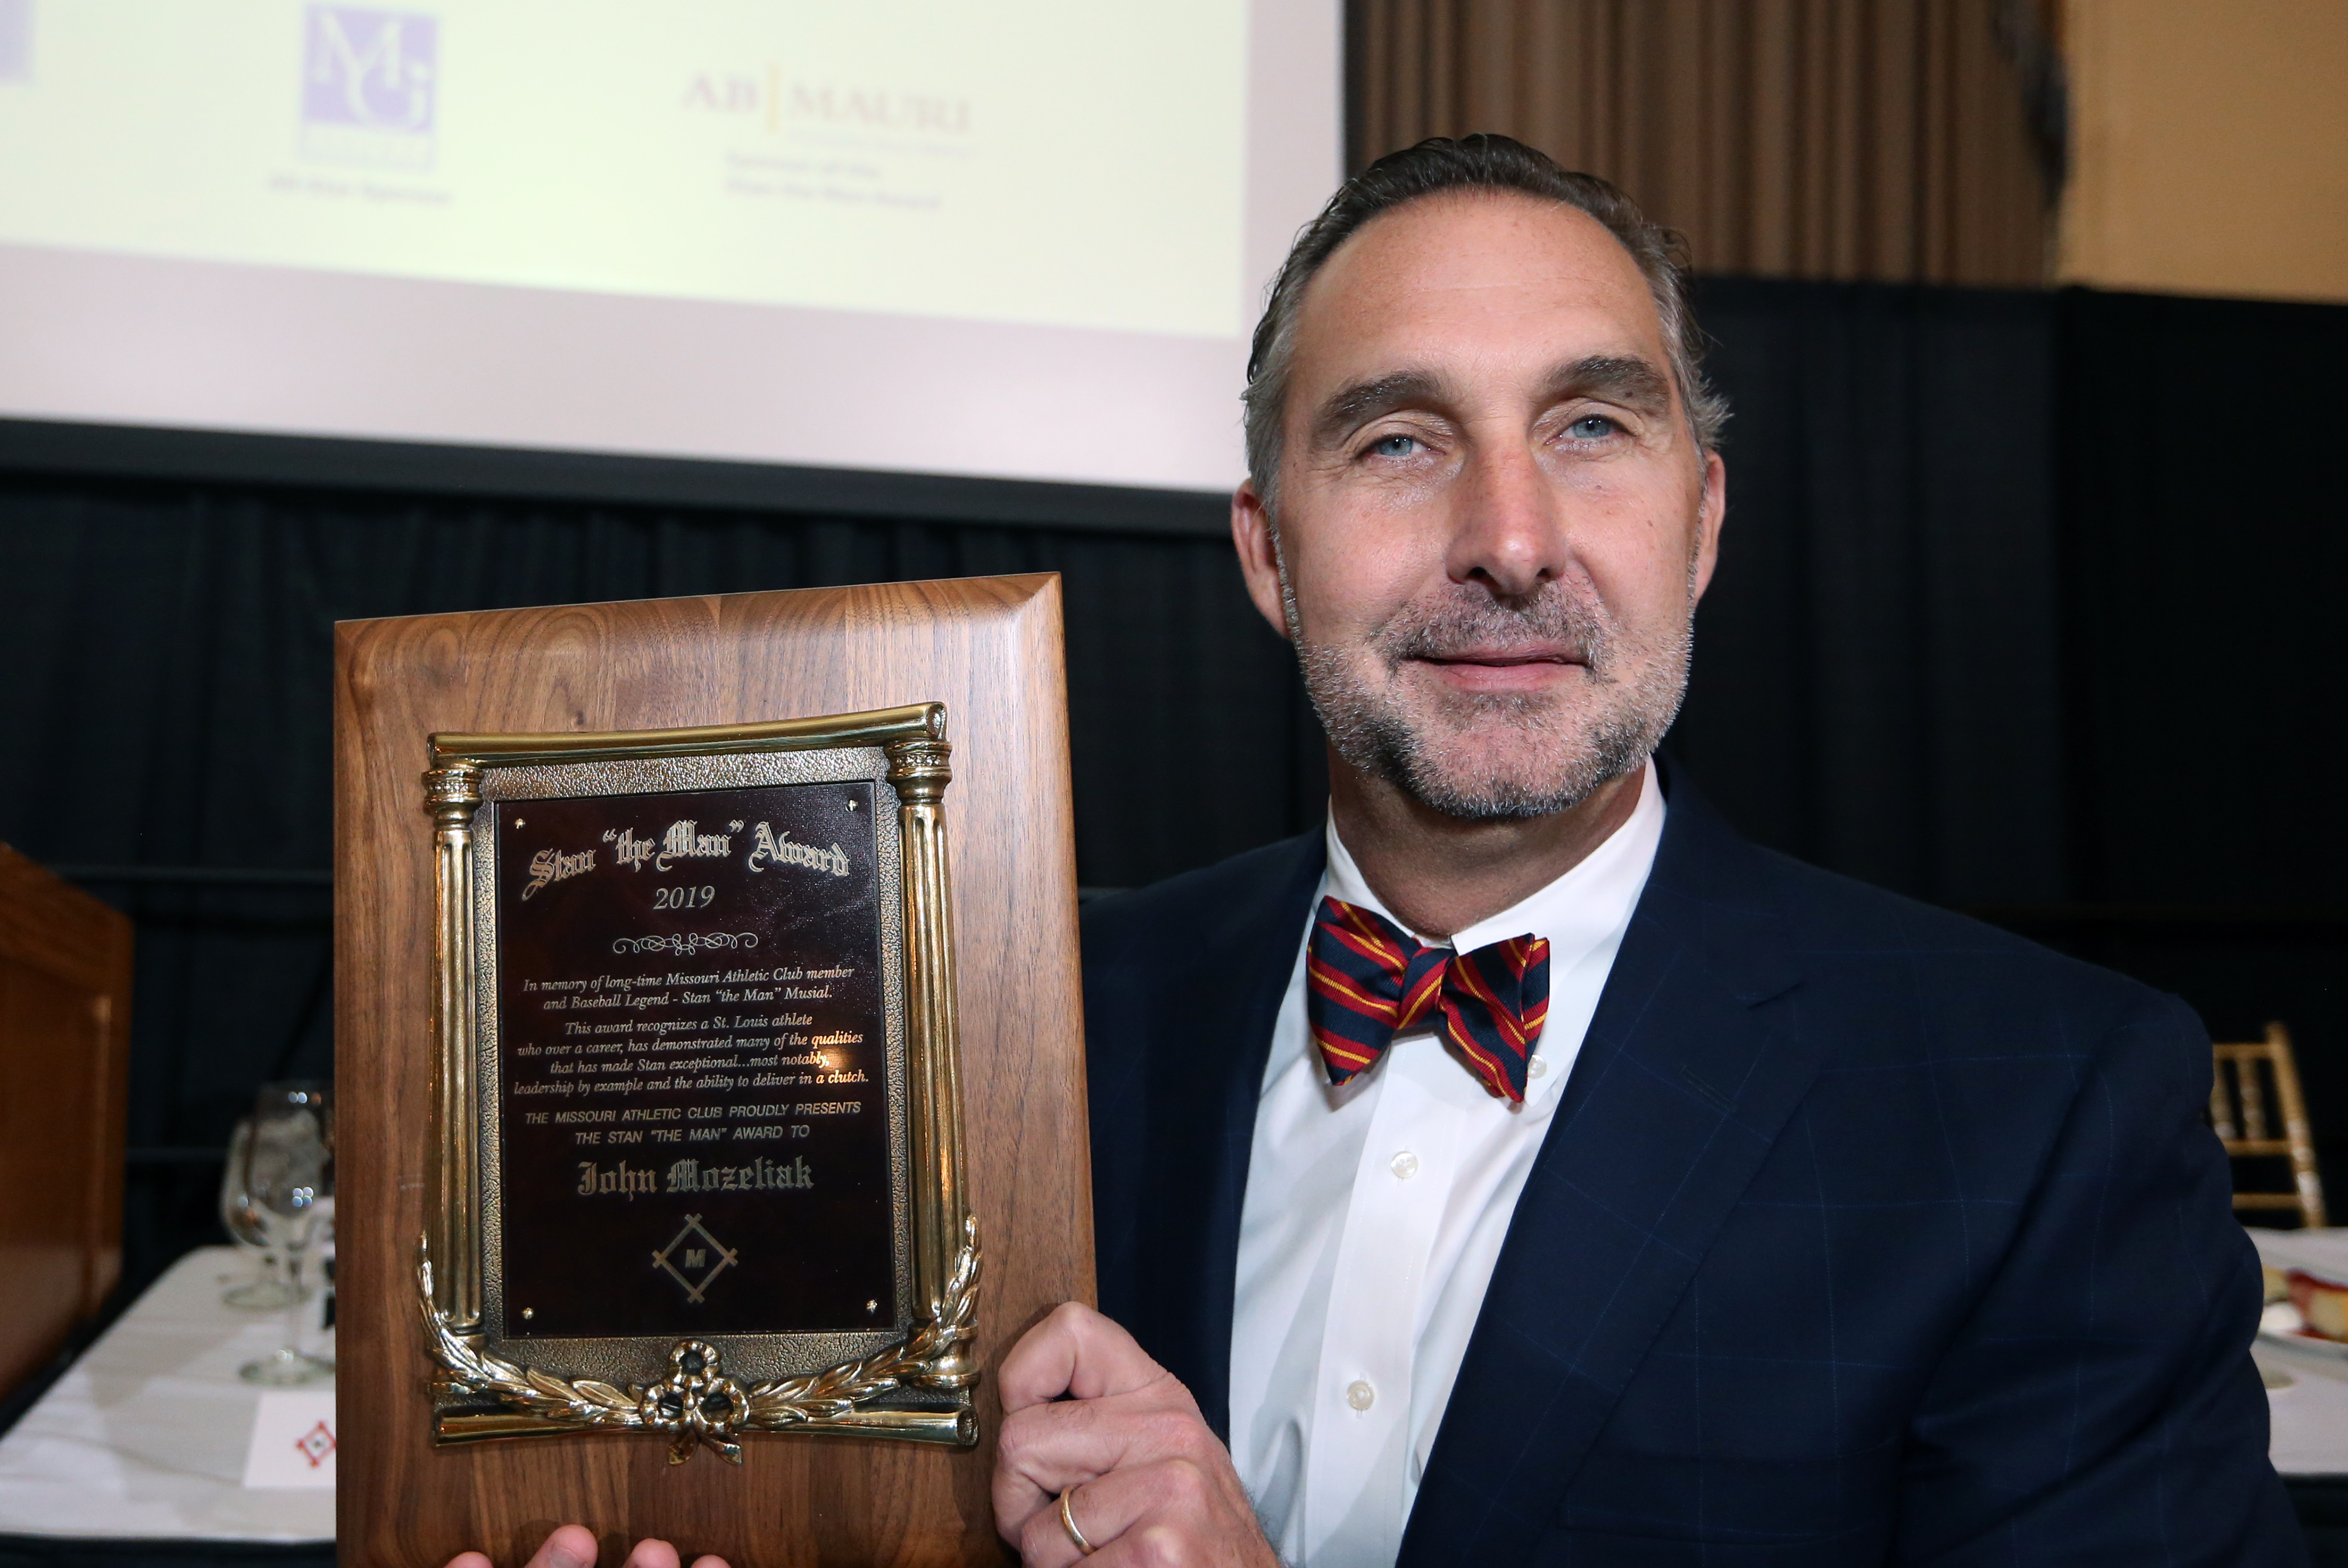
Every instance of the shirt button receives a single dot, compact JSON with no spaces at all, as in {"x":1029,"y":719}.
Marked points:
{"x":1536,"y":1067}
{"x":1405,"y":1165}
{"x":1360,"y":1395}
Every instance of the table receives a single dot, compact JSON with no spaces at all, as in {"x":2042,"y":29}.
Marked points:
{"x":143,"y":1442}
{"x":2311,"y":1417}
{"x":2309,"y":1440}
{"x":136,"y":1455}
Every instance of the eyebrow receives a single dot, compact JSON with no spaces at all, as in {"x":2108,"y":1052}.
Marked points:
{"x":1616,"y":378}
{"x":1625,"y":379}
{"x":1350,"y":407}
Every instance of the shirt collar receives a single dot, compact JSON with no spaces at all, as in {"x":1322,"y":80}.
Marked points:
{"x":1588,"y":905}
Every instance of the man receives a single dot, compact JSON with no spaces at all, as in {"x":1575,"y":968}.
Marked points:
{"x":1527,"y":1170}
{"x":1828,"y":1228}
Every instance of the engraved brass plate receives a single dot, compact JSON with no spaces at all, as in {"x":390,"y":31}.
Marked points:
{"x":699,"y":1149}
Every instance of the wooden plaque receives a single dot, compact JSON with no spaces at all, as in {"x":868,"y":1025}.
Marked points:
{"x":987,"y":652}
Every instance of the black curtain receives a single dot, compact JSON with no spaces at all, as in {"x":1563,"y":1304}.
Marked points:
{"x":1878,"y":686}
{"x":172,"y":708}
{"x":174,"y":655}
{"x":2021,"y":609}
{"x":2206,"y":659}
{"x":2206,"y":554}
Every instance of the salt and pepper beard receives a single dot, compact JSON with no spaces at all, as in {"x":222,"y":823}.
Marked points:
{"x":1632,"y":690}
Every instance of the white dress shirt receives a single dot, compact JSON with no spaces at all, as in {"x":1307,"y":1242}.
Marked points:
{"x":1376,"y":1211}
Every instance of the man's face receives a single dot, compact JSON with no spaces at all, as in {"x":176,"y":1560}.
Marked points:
{"x":1492,"y":517}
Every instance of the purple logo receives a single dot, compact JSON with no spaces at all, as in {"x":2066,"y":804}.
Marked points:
{"x":369,"y":85}
{"x":16,"y":40}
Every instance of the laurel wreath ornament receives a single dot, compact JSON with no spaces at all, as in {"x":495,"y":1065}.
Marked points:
{"x":697,"y":1405}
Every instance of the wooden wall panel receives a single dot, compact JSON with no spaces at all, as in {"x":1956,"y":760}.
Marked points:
{"x":1880,"y":140}
{"x":65,"y":1017}
{"x":2212,"y":148}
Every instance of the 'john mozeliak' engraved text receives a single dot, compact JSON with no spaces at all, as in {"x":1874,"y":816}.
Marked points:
{"x":760,"y":1175}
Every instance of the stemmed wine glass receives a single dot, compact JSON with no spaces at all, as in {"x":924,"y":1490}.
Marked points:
{"x":289,"y":1169}
{"x":267,"y":1289}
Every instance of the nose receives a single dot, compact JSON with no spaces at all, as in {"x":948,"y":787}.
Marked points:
{"x":1508,"y":527}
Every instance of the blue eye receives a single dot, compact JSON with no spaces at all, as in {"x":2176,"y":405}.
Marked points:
{"x":1592,"y":427}
{"x":1395,"y":446}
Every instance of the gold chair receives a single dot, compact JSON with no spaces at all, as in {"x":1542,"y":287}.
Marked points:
{"x":2238,"y":1110}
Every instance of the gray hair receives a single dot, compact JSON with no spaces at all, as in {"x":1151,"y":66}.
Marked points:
{"x":1482,"y":162}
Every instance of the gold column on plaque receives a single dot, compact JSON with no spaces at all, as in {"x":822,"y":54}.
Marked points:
{"x":453,"y":794}
{"x":920,"y":770}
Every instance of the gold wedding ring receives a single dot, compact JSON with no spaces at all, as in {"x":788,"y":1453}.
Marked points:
{"x":1069,"y":1524}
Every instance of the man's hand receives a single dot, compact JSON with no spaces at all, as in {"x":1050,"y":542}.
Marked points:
{"x":574,"y":1546}
{"x":1152,"y":1484}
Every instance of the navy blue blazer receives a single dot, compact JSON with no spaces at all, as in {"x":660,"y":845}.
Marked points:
{"x":1863,"y":1233}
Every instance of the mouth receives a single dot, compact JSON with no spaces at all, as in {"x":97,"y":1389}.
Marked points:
{"x":1505,"y":656}
{"x":1502,"y":669}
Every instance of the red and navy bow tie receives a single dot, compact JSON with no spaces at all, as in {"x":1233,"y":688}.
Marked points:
{"x":1367,"y":980}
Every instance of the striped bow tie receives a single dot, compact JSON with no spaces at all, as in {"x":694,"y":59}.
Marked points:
{"x":1367,"y":980}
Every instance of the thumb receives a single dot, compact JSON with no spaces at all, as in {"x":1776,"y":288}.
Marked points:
{"x":1074,"y":1351}
{"x":570,"y":1546}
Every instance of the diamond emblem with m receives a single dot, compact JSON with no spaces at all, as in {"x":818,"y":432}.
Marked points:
{"x":693,"y":1258}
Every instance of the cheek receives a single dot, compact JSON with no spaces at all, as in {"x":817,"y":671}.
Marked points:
{"x":1647,"y":597}
{"x":1636,"y":541}
{"x":1350,"y":580}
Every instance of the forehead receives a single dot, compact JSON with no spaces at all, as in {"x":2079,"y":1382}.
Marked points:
{"x":1489,"y":276}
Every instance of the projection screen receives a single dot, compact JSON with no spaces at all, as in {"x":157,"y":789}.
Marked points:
{"x":1022,"y":239}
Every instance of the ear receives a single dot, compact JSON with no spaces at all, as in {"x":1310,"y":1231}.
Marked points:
{"x":1259,"y":555}
{"x":1712,"y":512}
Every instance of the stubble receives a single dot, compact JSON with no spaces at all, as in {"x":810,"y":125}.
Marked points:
{"x":1499,"y":756}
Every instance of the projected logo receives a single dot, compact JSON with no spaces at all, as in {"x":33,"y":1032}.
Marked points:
{"x":781,"y":101}
{"x":16,"y":40}
{"x":369,"y":85}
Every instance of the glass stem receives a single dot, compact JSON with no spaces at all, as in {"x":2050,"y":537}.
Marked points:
{"x":292,"y":1261}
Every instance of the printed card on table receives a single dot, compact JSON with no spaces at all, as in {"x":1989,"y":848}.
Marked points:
{"x":293,"y":1439}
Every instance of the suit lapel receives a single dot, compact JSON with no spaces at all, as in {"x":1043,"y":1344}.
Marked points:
{"x":1684,"y":1081}
{"x":1203,"y":1096}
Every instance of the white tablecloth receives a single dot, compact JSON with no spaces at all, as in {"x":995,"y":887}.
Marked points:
{"x":146,"y":1436}
{"x":2311,"y":1417}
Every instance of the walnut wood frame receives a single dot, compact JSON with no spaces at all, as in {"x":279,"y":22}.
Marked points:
{"x":990,"y":650}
